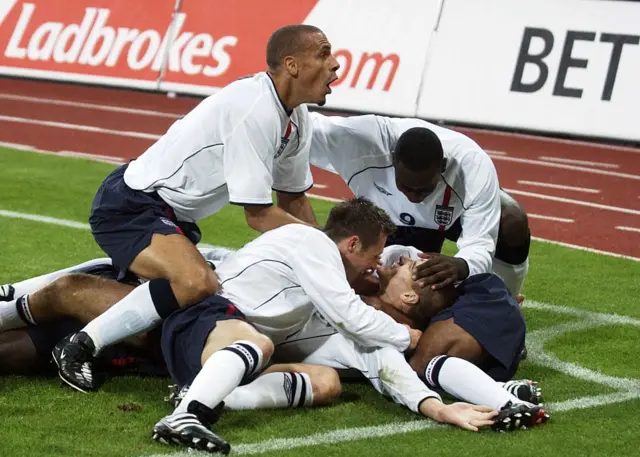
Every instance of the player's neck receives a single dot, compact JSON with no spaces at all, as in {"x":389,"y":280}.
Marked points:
{"x":383,"y":305}
{"x":285,"y":90}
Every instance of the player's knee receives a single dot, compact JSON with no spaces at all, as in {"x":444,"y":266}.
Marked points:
{"x":326,"y":385}
{"x":263,"y":343}
{"x":195,"y":286}
{"x":467,"y":349}
{"x":514,"y":225}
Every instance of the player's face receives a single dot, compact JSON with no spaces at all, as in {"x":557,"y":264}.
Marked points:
{"x":396,"y":281}
{"x":417,"y":185}
{"x":361,"y":262}
{"x":318,"y":69}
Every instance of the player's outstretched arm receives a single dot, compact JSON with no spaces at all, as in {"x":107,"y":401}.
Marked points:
{"x":463,"y":415}
{"x":298,"y":206}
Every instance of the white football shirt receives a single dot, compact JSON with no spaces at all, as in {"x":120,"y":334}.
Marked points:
{"x":359,"y":149}
{"x":385,"y":368}
{"x":236,"y":145}
{"x":279,"y":279}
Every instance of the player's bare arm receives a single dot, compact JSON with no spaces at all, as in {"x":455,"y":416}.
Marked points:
{"x":298,"y":205}
{"x":264,"y":218}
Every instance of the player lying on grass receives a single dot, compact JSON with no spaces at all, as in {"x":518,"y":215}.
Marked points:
{"x":27,"y":350}
{"x":349,"y":361}
{"x":87,"y":290}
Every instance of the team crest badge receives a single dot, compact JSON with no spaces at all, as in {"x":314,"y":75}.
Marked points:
{"x":443,"y":215}
{"x":283,"y":144}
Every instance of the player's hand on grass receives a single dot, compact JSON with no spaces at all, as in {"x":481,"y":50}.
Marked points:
{"x":439,"y":271}
{"x":464,"y":415}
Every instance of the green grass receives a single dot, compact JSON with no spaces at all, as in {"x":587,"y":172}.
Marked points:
{"x":39,"y":418}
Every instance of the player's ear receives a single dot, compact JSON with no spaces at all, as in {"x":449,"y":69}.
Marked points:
{"x":290,"y":64}
{"x":353,"y":244}
{"x":409,"y":298}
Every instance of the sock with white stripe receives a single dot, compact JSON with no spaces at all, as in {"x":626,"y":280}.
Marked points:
{"x":222,"y":373}
{"x":15,"y":314}
{"x":138,"y":312}
{"x":512,"y":275}
{"x":464,"y":380}
{"x":272,"y":390}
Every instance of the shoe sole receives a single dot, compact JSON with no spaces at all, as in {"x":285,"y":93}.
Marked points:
{"x":523,"y":421}
{"x":198,"y":444}
{"x":65,"y":380}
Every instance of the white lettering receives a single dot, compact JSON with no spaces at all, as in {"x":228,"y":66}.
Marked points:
{"x":176,"y":48}
{"x":79,"y":34}
{"x":199,"y":46}
{"x":169,"y":36}
{"x":14,"y":50}
{"x":98,"y":33}
{"x":133,"y":58}
{"x":220,"y":54}
{"x":123,"y":37}
{"x":47,"y":32}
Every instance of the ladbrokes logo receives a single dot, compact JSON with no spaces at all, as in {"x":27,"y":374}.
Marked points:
{"x":205,"y":42}
{"x":95,"y":41}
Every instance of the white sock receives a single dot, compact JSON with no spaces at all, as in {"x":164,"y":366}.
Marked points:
{"x":273,"y":390}
{"x":132,"y":315}
{"x":29,"y":286}
{"x":464,"y":380}
{"x":512,"y":275}
{"x":9,"y":317}
{"x":222,"y":373}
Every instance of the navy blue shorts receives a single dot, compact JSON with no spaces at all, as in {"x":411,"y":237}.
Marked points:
{"x":185,"y":332}
{"x":489,"y":313}
{"x":123,"y":220}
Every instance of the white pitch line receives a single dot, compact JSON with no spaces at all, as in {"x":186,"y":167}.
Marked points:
{"x":497,"y":153}
{"x":45,"y":219}
{"x":558,"y":186}
{"x":628,"y":229}
{"x":586,"y":249}
{"x":606,"y":319}
{"x":95,"y":106}
{"x":588,"y":163}
{"x":84,"y":128}
{"x":319,"y":186}
{"x":569,"y":167}
{"x":395,"y":428}
{"x":575,"y":202}
{"x":549,"y":218}
{"x":327,"y":199}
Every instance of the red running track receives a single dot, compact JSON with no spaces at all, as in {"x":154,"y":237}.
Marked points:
{"x":575,"y":192}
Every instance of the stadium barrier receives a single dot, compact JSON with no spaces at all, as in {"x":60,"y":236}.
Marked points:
{"x":570,"y":67}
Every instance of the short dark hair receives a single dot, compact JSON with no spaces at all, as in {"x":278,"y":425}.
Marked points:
{"x":418,"y":149}
{"x":358,"y":216}
{"x":430,"y":303}
{"x":287,"y":41}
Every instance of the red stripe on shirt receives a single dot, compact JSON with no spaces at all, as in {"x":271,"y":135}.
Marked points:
{"x":445,"y":202}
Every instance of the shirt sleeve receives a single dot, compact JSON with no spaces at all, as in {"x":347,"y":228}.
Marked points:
{"x":398,"y":380}
{"x":385,"y":368}
{"x":343,"y":144}
{"x":248,"y":161}
{"x":481,"y":220}
{"x":319,"y":269}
